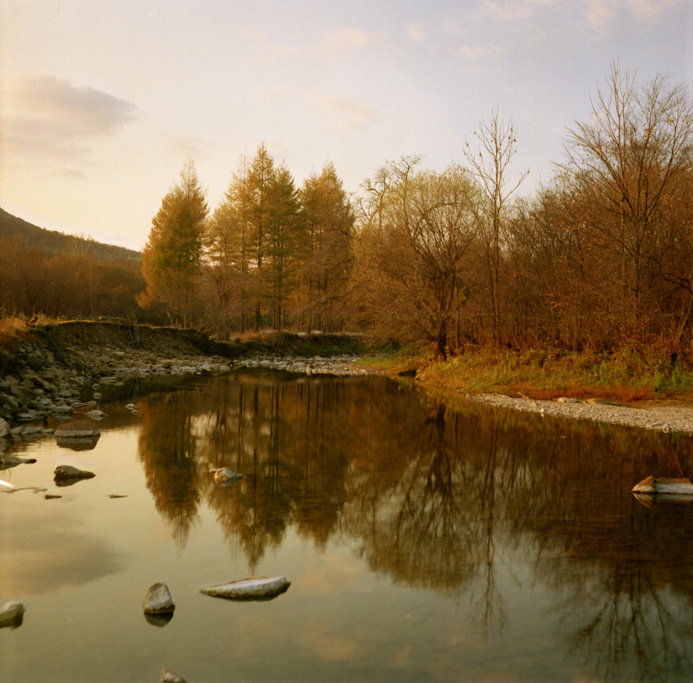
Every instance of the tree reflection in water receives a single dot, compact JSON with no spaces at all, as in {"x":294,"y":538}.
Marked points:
{"x":432,"y":494}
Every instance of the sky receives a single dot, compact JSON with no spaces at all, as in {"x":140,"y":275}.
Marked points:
{"x":102,"y":102}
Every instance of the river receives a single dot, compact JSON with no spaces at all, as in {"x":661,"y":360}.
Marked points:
{"x":422,"y":541}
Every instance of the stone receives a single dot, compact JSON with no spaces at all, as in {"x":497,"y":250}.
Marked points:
{"x":11,"y":614}
{"x":10,"y":401}
{"x":96,"y":414}
{"x":35,"y":360}
{"x":28,"y":432}
{"x":8,"y":461}
{"x":664,"y":486}
{"x":249,"y":589}
{"x":77,"y":429}
{"x":224,"y":476}
{"x":4,"y":428}
{"x":171,"y":677}
{"x":69,"y":472}
{"x":158,"y":600}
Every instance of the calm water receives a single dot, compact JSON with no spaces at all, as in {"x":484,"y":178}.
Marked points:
{"x":422,"y":543}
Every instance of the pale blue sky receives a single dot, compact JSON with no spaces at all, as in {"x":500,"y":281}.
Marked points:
{"x":102,"y":101}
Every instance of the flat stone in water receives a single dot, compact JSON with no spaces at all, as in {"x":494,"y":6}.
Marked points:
{"x":664,"y":486}
{"x":249,"y":589}
{"x":77,"y":429}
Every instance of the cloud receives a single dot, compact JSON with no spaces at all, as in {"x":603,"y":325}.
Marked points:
{"x":260,"y":48}
{"x":474,"y":53}
{"x":345,"y":114}
{"x":46,"y":117}
{"x":416,"y":33}
{"x":601,"y":14}
{"x":182,"y":147}
{"x":62,"y":559}
{"x":646,"y":10}
{"x":511,"y":10}
{"x":335,"y":44}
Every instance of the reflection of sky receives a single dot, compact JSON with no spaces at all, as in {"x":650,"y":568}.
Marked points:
{"x":57,"y":556}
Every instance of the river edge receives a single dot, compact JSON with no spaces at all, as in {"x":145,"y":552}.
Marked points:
{"x":669,"y":416}
{"x":642,"y":415}
{"x":65,"y":368}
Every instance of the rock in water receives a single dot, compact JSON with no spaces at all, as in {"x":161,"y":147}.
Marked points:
{"x":662,"y":485}
{"x":7,"y":461}
{"x":158,"y":600}
{"x":249,"y":589}
{"x":11,"y":614}
{"x":171,"y":677}
{"x":76,"y":429}
{"x":225,"y":476}
{"x":69,"y":472}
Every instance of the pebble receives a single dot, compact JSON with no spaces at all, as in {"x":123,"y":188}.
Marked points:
{"x":677,"y":419}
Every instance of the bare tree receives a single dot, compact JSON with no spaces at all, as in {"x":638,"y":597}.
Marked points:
{"x":490,"y":164}
{"x":417,"y":241}
{"x":626,"y":161}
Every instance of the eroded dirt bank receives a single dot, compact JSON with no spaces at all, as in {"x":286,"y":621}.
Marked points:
{"x":57,"y":369}
{"x":62,"y":368}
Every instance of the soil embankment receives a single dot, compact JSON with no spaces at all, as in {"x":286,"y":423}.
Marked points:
{"x":59,"y":368}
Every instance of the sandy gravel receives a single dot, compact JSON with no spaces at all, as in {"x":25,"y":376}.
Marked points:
{"x":663,"y":418}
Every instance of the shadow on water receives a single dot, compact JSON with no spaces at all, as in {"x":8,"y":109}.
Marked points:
{"x":431,"y":496}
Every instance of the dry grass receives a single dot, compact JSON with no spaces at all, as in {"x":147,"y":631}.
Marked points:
{"x":625,"y":375}
{"x":13,"y":328}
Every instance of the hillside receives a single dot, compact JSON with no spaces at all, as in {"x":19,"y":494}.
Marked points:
{"x":54,"y":242}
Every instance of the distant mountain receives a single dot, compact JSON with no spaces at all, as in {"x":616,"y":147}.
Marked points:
{"x":57,"y":242}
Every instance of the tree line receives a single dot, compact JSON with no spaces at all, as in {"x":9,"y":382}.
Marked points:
{"x":85,"y":279}
{"x":600,"y":256}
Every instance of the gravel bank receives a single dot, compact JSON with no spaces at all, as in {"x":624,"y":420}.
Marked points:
{"x":646,"y":416}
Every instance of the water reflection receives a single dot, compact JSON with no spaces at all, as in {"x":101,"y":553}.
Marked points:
{"x":74,"y":557}
{"x":431,"y":496}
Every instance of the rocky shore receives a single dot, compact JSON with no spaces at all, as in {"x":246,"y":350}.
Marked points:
{"x":69,"y":368}
{"x":662,"y":418}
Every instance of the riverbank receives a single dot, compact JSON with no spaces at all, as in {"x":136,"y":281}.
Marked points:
{"x":622,"y":388}
{"x":64,"y":368}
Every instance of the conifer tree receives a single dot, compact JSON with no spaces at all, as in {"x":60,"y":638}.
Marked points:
{"x":171,"y":258}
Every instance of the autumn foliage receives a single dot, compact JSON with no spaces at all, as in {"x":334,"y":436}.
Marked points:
{"x":599,"y":258}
